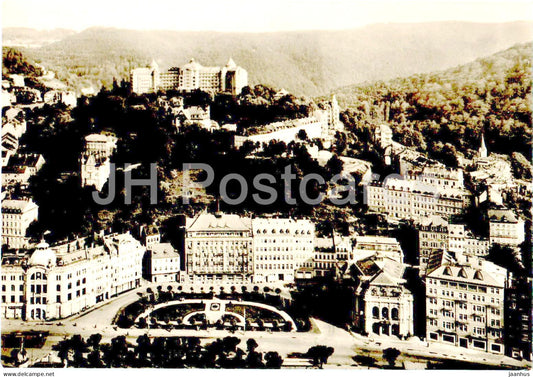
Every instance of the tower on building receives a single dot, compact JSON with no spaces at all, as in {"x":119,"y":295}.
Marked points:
{"x":482,"y":152}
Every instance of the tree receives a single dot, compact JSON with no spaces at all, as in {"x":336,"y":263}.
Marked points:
{"x":391,"y":354}
{"x":302,"y":135}
{"x":320,"y":355}
{"x":94,"y":341}
{"x":253,"y":359}
{"x":273,"y":360}
{"x":335,"y":165}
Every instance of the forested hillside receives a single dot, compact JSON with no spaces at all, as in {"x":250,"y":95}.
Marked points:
{"x":14,"y":62}
{"x":304,"y":62}
{"x":445,"y":112}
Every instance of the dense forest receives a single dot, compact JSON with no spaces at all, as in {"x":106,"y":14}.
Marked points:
{"x":446,"y":112}
{"x":146,"y":134}
{"x":303,"y":62}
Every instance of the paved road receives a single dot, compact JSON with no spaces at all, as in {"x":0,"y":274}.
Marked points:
{"x":346,"y":344}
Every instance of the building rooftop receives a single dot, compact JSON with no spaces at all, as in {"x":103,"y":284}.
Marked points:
{"x":18,"y":206}
{"x":24,"y":160}
{"x":219,"y":222}
{"x":163,"y":250}
{"x":468,"y":274}
{"x":502,"y":215}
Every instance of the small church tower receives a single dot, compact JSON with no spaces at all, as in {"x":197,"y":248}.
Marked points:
{"x":482,"y":152}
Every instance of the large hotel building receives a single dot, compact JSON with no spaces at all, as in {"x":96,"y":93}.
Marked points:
{"x":191,"y":76}
{"x":465,"y":303}
{"x":224,"y":247}
{"x":56,"y":282}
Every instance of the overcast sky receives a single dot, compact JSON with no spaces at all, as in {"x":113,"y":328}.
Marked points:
{"x":251,"y":15}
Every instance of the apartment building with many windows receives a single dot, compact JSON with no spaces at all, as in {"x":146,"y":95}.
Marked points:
{"x":58,"y":281}
{"x":465,"y":304}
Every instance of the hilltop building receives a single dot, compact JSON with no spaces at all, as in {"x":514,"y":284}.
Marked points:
{"x":145,"y":80}
{"x":323,"y":123}
{"x":431,"y":172}
{"x":95,"y":160}
{"x":57,"y":96}
{"x":191,"y":76}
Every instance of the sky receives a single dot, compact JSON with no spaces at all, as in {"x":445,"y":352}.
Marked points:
{"x":251,"y":15}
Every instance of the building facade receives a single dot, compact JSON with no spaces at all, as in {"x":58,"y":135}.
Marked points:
{"x":280,"y":247}
{"x":465,"y":304}
{"x":224,"y":247}
{"x":505,"y":227}
{"x":56,"y":282}
{"x":191,"y":76}
{"x":17,"y":215}
{"x":411,"y":199}
{"x":95,"y":162}
{"x":379,"y":246}
{"x":436,"y":233}
{"x":383,"y":306}
{"x":218,"y":247}
{"x":163,"y":263}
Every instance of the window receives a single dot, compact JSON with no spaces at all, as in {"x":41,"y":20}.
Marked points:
{"x":385,"y":313}
{"x":375,"y":312}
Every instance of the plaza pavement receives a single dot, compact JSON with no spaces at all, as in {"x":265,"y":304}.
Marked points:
{"x":346,"y":344}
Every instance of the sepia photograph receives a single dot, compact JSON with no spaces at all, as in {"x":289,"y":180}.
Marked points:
{"x":302,"y":185}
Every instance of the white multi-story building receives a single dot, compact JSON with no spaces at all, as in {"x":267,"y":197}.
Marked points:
{"x":218,"y":247}
{"x":100,"y":143}
{"x":145,"y":80}
{"x":56,"y":282}
{"x":412,"y":199}
{"x":191,"y":76}
{"x":17,"y":215}
{"x":228,"y":247}
{"x":465,"y":304}
{"x":435,"y":233}
{"x":431,"y":172}
{"x":280,"y":247}
{"x":383,"y":136}
{"x":95,"y":160}
{"x":505,"y":227}
{"x":163,"y":263}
